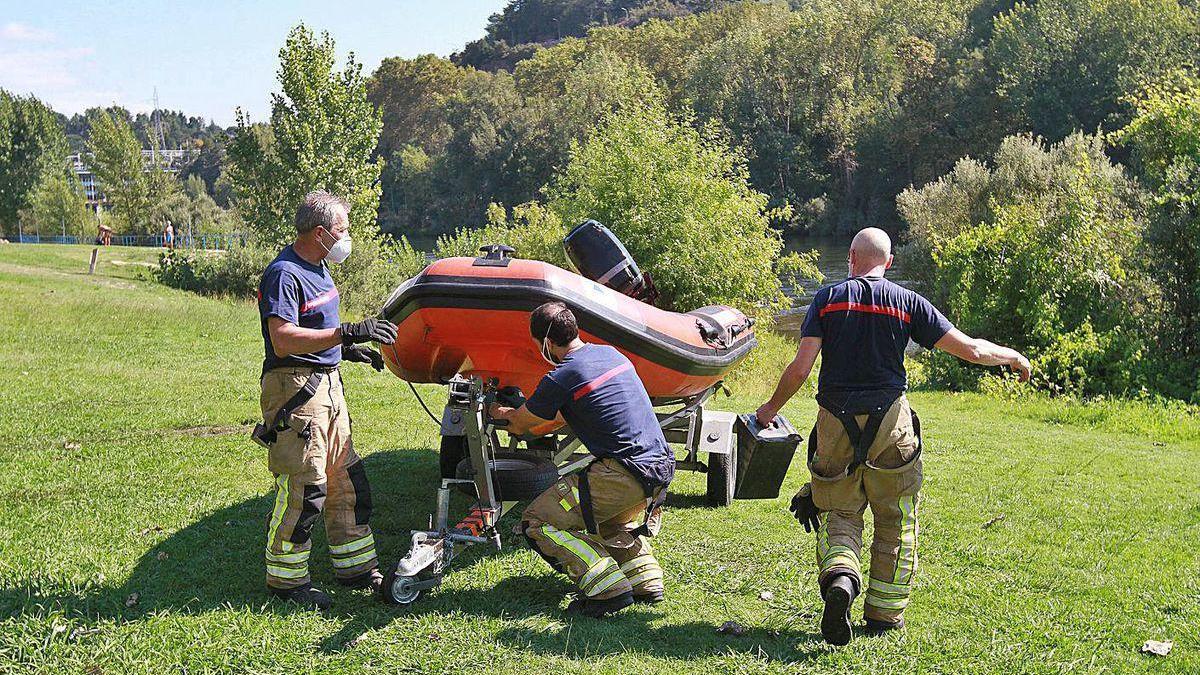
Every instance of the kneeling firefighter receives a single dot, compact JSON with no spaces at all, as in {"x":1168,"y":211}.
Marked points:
{"x":594,"y":525}
{"x":306,"y":426}
{"x":865,"y":449}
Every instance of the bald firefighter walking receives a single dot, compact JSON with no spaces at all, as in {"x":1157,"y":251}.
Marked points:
{"x":865,"y":449}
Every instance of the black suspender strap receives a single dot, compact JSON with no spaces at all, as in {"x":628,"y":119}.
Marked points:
{"x":267,"y":435}
{"x":860,"y":438}
{"x":656,"y":499}
{"x":585,"y":502}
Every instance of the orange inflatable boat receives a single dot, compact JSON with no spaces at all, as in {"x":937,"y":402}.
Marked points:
{"x":471,"y":316}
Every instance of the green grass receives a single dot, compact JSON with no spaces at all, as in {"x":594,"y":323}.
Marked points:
{"x":126,"y":469}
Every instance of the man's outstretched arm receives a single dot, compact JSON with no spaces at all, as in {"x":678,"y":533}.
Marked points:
{"x":791,"y":380}
{"x":520,"y":420}
{"x":982,"y":352}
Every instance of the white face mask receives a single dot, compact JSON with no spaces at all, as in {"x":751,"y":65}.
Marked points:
{"x":339,"y":251}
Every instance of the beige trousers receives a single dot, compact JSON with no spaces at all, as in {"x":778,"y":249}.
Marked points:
{"x":316,"y":471}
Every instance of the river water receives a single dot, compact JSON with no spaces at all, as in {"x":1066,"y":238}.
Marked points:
{"x":832,"y":263}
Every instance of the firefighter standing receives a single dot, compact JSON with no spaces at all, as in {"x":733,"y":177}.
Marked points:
{"x":306,"y":426}
{"x":865,"y":448}
{"x":587,"y":524}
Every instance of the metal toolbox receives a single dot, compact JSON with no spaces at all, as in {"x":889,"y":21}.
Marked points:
{"x":763,"y":456}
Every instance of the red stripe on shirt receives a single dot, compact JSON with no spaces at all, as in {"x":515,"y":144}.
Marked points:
{"x":868,"y":309}
{"x":320,"y":300}
{"x":585,"y":389}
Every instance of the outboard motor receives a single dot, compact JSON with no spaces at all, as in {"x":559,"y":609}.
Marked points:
{"x":600,"y":256}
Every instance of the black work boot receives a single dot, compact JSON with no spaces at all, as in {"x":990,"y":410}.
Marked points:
{"x":372,"y":579}
{"x":597,"y":609}
{"x":649,"y":598}
{"x":839,"y":594}
{"x":305,"y":596}
{"x":876,"y":628}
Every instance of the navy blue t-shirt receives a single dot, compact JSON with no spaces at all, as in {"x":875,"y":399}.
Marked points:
{"x":303,"y":294}
{"x":864,"y":324}
{"x":600,"y":396}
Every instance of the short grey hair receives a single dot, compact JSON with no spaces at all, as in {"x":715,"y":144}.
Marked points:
{"x":320,"y":209}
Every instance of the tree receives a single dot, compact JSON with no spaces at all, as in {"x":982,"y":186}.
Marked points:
{"x":1064,"y":65}
{"x":133,"y":186}
{"x":411,"y":95}
{"x":680,"y":200}
{"x":322,"y":135}
{"x":1043,"y":252}
{"x":32,"y":146}
{"x":57,"y":204}
{"x":1165,"y":137}
{"x":505,"y":135}
{"x":208,"y":162}
{"x":485,"y":158}
{"x":515,"y":32}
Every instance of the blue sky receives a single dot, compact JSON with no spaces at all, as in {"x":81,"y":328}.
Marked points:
{"x":209,"y":56}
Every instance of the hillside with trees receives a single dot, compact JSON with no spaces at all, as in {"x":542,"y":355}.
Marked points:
{"x":1039,"y":159}
{"x":839,"y":105}
{"x":524,"y":26}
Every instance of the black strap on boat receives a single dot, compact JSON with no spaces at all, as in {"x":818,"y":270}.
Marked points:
{"x":267,"y":435}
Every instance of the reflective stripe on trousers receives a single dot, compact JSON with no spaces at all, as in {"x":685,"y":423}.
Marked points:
{"x":602,"y":571}
{"x":893,"y":594}
{"x":831,"y":557}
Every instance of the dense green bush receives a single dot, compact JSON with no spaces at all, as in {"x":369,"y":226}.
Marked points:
{"x":1165,"y":138}
{"x":236,"y":272}
{"x":535,"y":232}
{"x":1042,"y":252}
{"x":679,"y":198}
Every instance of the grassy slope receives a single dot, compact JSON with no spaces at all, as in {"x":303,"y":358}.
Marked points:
{"x":1096,"y":552}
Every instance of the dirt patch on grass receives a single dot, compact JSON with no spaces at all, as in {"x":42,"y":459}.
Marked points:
{"x":207,"y":430}
{"x":122,"y":263}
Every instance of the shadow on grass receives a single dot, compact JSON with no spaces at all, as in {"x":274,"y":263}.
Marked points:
{"x":636,"y":630}
{"x":216,"y":564}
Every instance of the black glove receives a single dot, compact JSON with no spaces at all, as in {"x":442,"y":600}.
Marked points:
{"x":510,"y":397}
{"x":369,"y":330}
{"x":804,"y":509}
{"x":363,"y":355}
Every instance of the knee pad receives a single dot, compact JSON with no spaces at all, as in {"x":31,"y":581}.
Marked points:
{"x":363,"y":504}
{"x":310,"y":507}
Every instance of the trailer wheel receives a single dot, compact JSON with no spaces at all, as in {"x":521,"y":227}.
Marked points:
{"x":398,"y":589}
{"x":722,"y":474}
{"x":453,"y":450}
{"x":516,"y":476}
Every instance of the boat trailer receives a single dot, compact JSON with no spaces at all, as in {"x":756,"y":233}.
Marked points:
{"x":466,"y":420}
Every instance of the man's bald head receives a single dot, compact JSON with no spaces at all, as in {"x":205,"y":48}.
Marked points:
{"x":871,"y":248}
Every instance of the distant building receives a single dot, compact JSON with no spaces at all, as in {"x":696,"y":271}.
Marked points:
{"x":172,"y":161}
